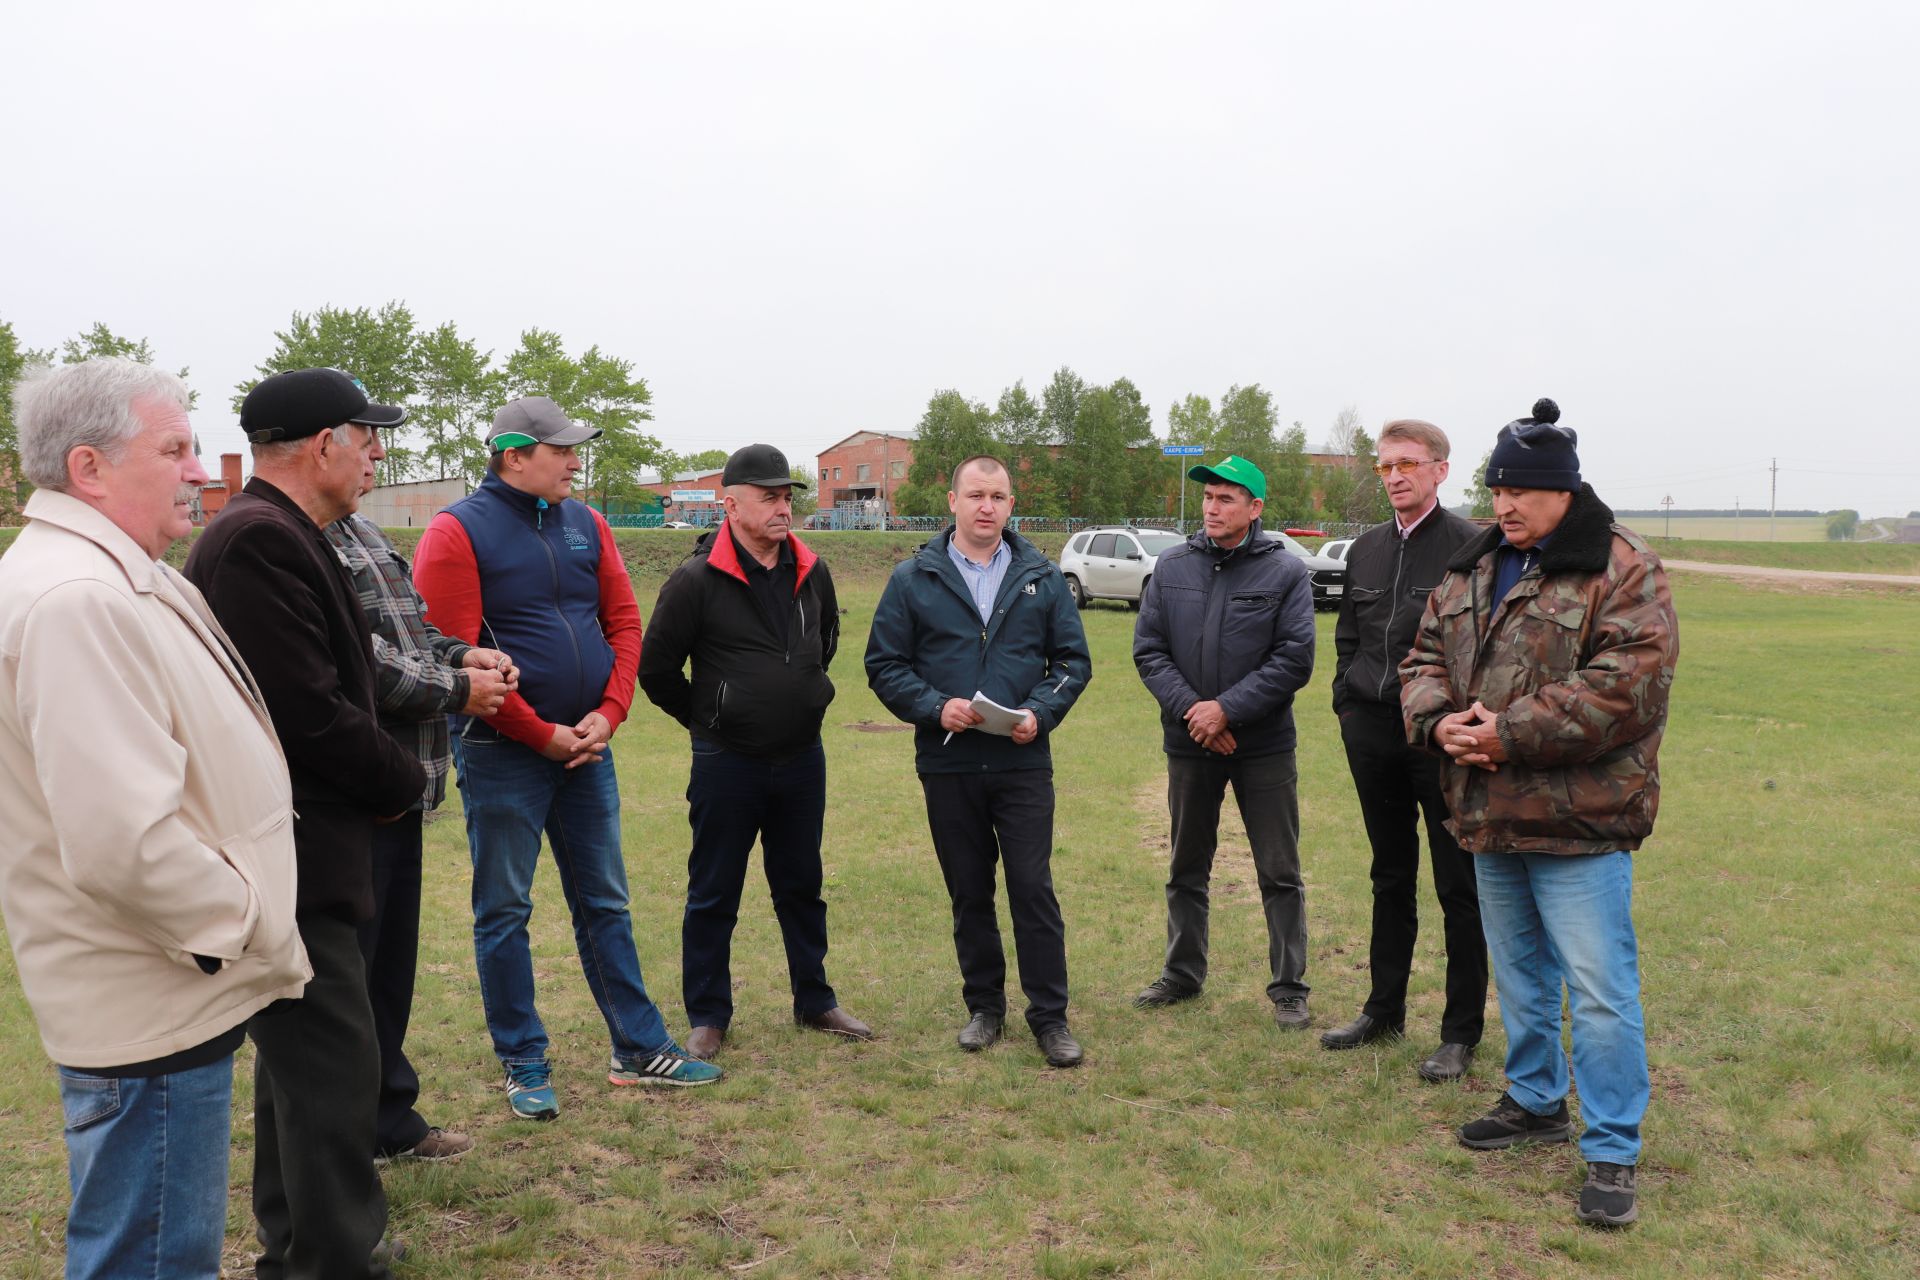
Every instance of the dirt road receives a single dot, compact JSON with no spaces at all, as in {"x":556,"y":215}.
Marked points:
{"x":1790,"y":577}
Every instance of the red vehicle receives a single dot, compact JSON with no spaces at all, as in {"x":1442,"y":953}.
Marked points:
{"x":1306,"y":533}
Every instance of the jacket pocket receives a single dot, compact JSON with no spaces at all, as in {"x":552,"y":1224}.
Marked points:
{"x":264,"y":858}
{"x":719,"y":705}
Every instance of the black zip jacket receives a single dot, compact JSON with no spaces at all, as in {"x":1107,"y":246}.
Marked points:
{"x":1388,"y":581}
{"x":749,"y":692}
{"x":1232,"y":626}
{"x":928,"y":644}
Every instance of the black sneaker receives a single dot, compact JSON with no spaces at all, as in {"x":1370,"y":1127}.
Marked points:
{"x":1290,"y":1013}
{"x":1509,"y":1125}
{"x":1162,"y":992}
{"x":1607,"y":1200}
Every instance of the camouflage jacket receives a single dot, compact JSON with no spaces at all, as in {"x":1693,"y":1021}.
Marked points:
{"x":1576,"y":663}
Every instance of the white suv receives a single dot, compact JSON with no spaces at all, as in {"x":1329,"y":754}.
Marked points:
{"x":1113,"y":563}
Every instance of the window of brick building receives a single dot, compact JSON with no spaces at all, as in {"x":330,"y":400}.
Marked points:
{"x":898,"y":468}
{"x":861,"y":472}
{"x":836,"y":473}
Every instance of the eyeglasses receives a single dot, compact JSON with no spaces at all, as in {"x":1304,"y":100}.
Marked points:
{"x":1406,"y":467}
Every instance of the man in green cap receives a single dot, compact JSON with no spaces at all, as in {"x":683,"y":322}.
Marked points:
{"x":1224,"y":639}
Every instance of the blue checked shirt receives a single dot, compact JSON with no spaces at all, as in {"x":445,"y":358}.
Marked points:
{"x":417,"y":668}
{"x":983,"y":581}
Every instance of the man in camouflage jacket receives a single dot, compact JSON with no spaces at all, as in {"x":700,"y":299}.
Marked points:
{"x":1541,"y":668}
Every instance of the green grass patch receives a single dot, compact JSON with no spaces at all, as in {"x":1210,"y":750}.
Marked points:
{"x":1775,"y":908}
{"x":1900,"y":558}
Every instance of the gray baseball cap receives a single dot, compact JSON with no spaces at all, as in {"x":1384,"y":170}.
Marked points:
{"x":534,"y":420}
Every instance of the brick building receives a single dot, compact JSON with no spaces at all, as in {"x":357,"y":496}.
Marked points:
{"x":215,"y":492}
{"x":867,"y":466}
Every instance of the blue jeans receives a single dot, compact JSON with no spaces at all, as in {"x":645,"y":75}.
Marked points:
{"x":147,"y":1160}
{"x":511,"y":794}
{"x":1557,"y":920}
{"x":733,"y":800}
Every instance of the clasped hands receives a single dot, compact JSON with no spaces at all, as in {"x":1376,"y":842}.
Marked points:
{"x":957,"y":716}
{"x":1471,"y":738}
{"x":491,"y":676}
{"x":1207,"y":725}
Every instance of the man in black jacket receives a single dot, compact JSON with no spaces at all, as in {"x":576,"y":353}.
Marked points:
{"x":1391,"y":568}
{"x":755,"y":610}
{"x":272,"y":579}
{"x":981,"y":610}
{"x":1225,"y":637}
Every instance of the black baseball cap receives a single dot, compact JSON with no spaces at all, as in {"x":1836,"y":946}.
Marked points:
{"x":760,"y":464}
{"x":305,"y":402}
{"x":532,"y":420}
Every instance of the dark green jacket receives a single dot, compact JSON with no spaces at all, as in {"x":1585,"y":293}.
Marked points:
{"x":928,"y":645}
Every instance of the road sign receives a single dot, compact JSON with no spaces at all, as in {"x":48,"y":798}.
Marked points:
{"x":1182,"y":450}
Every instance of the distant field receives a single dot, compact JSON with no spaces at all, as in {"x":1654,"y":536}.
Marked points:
{"x":1845,"y":557}
{"x":1726,"y":528}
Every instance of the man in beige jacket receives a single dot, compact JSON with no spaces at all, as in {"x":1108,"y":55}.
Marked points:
{"x":147,"y":878}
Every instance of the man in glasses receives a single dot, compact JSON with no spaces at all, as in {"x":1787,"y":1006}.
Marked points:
{"x":1391,"y":568}
{"x":1541,"y":668}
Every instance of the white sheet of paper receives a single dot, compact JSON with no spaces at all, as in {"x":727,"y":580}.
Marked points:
{"x":996,"y":718}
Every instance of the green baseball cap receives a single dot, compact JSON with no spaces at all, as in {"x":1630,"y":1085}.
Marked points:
{"x":1232,"y":469}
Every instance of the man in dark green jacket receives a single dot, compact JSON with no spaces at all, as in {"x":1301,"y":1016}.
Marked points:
{"x":982,"y":611}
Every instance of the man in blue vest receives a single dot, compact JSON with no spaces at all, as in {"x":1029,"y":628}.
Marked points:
{"x":537,"y":573}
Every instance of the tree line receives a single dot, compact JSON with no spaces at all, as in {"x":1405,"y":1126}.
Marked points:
{"x":1088,"y":450}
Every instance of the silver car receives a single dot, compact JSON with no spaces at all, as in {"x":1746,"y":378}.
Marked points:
{"x":1113,"y":563}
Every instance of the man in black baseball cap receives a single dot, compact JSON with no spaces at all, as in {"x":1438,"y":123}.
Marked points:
{"x":755,"y":610}
{"x":305,"y":402}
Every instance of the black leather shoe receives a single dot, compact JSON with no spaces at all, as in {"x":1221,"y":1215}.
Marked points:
{"x":1060,"y":1048}
{"x":981,"y":1030}
{"x":1447,"y":1063}
{"x":1162,"y":992}
{"x":1362,"y":1030}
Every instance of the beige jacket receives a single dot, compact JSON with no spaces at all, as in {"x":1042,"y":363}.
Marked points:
{"x":145,"y":812}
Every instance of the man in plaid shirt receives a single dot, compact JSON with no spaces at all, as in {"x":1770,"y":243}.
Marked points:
{"x":422,"y":676}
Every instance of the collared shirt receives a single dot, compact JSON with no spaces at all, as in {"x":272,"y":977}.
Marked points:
{"x":1510,"y":564}
{"x":1406,"y":530}
{"x":415,"y":665}
{"x":772,"y":588}
{"x":983,"y":580}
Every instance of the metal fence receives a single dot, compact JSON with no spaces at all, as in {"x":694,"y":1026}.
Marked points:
{"x":840,"y":520}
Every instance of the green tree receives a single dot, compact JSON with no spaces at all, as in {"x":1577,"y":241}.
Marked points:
{"x":1025,"y":445}
{"x":1478,"y":493}
{"x":1289,"y":482}
{"x":1105,"y":458}
{"x":952,"y":429}
{"x":1842,"y":525}
{"x":458,"y":393}
{"x":377,"y":347}
{"x":609,"y":396}
{"x":102,"y":341}
{"x":705,"y":460}
{"x":805,"y":501}
{"x":14,"y":361}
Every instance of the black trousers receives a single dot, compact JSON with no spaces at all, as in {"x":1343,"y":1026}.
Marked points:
{"x":390,"y":948}
{"x":1266,"y":789}
{"x":316,"y":1195}
{"x":1397,"y":785}
{"x":978,"y":819}
{"x":733,"y":800}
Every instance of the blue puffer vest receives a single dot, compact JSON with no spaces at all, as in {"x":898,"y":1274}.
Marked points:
{"x":540,"y":595}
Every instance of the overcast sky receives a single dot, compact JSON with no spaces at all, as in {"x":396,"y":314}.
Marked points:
{"x":1693,"y":225}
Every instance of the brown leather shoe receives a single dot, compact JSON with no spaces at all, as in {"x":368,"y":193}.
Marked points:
{"x":438,"y":1144}
{"x":837,"y":1021}
{"x":704,"y":1042}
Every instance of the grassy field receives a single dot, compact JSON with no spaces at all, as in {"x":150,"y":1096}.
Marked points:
{"x":1746,"y":528}
{"x":1776,"y":908}
{"x":1846,"y":557}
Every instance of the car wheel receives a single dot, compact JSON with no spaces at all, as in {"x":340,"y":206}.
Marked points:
{"x":1078,"y":592}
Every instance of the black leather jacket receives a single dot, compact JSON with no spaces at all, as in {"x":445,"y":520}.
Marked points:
{"x":1388,"y":581}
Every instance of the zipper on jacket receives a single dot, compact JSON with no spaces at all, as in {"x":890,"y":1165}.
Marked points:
{"x":553,"y":567}
{"x":1393,"y":608}
{"x":719,"y":702}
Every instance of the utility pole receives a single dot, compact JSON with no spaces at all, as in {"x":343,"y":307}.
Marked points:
{"x":1667,"y":502}
{"x":1773,"y":497}
{"x":1736,"y":518}
{"x":1180,"y":478}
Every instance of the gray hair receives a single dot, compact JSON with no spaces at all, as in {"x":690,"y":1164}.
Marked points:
{"x":282,"y":452}
{"x":91,"y":403}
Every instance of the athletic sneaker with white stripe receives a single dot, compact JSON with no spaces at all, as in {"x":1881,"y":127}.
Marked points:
{"x":666,"y":1067}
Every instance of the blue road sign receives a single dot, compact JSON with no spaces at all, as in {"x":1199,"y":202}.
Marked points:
{"x":1182,"y":450}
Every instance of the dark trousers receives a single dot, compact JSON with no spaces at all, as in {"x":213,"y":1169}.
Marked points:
{"x":1264,"y":789}
{"x":1397,"y":785}
{"x":390,"y":948}
{"x":978,"y":819}
{"x":732,"y":800}
{"x":316,"y":1195}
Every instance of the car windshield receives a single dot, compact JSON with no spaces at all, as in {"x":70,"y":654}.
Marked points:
{"x":1155,"y":543}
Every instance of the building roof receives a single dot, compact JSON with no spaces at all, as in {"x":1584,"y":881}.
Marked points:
{"x":901,"y":433}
